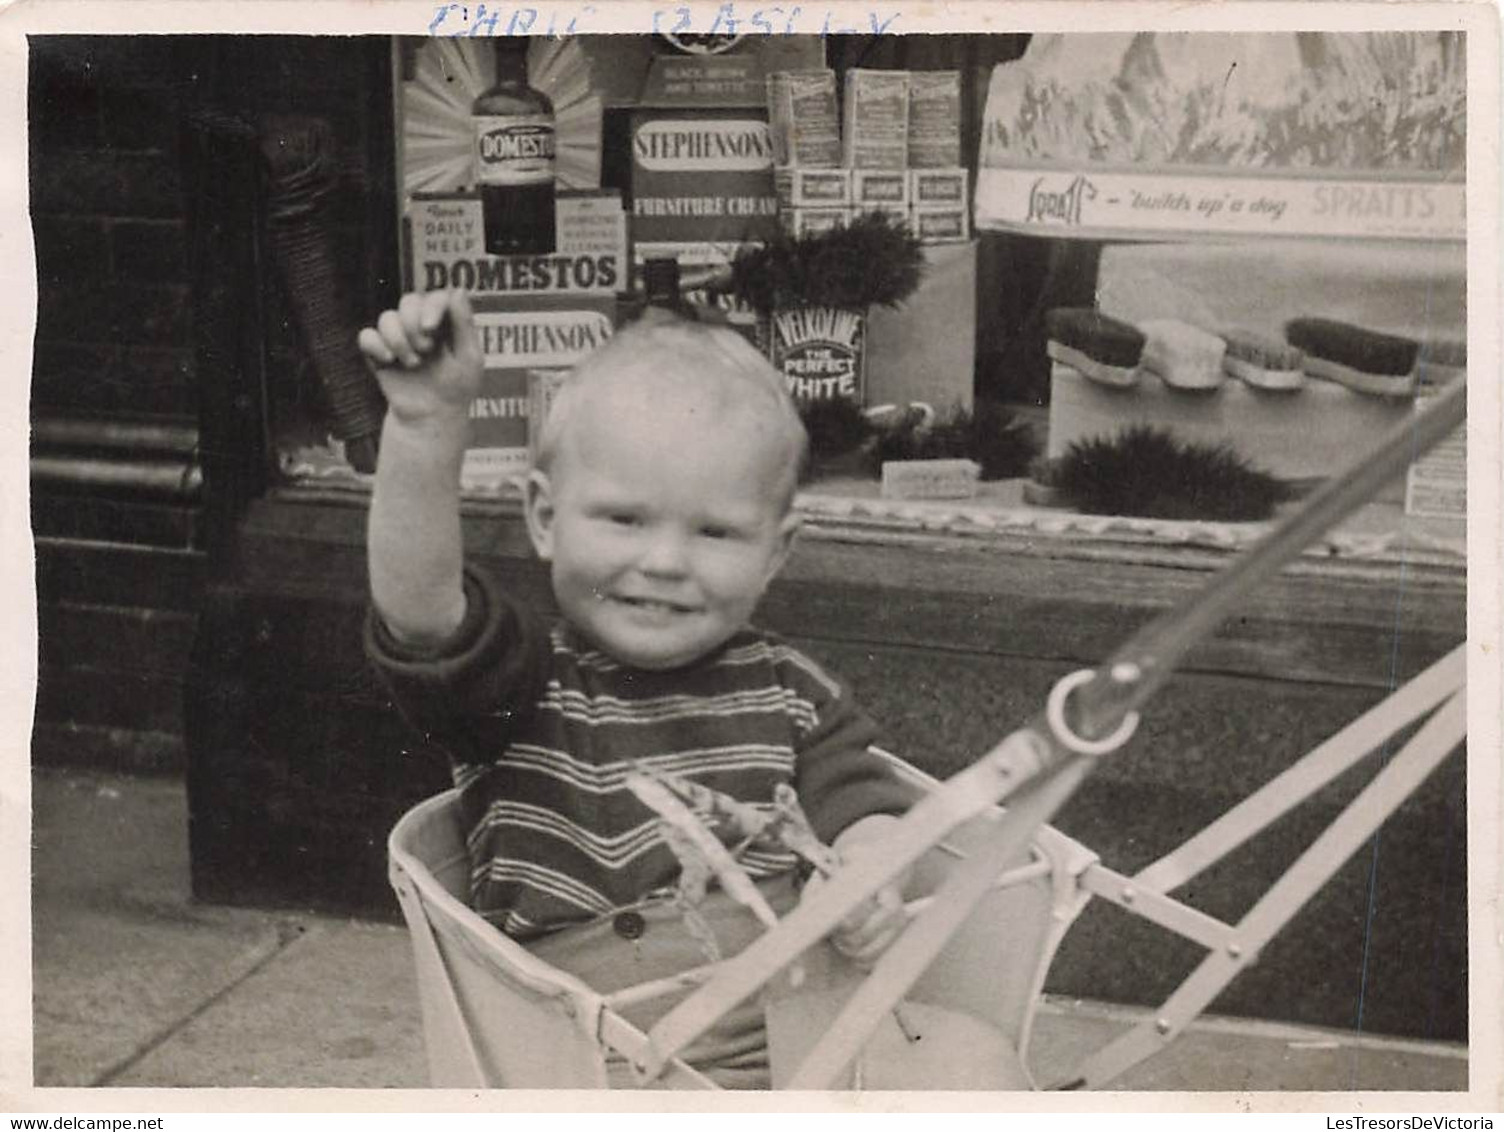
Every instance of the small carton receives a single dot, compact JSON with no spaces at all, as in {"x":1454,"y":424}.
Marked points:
{"x":1436,"y":484}
{"x":876,"y":120}
{"x":934,"y":135}
{"x":940,"y":225}
{"x":886,"y":187}
{"x":930,"y":479}
{"x":809,"y":221}
{"x":802,"y":116}
{"x":799,"y":187}
{"x":938,"y":188}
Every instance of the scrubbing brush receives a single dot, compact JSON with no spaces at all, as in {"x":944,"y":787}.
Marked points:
{"x":1363,"y":360}
{"x":1263,"y":362}
{"x":1100,"y":348}
{"x":1181,"y":355}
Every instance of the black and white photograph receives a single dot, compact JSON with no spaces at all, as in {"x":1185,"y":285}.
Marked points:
{"x":775,"y":553}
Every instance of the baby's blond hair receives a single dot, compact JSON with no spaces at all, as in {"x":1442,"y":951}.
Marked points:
{"x":663,"y":350}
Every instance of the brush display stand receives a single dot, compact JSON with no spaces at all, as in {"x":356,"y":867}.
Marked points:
{"x":1413,"y":289}
{"x":1416,"y":289}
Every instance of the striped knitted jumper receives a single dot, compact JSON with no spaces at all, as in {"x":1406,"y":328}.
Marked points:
{"x":541,"y":730}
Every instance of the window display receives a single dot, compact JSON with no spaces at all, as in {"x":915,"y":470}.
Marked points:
{"x":1284,"y":236}
{"x":1275,"y":224}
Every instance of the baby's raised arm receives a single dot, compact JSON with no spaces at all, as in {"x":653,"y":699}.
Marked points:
{"x":427,"y":360}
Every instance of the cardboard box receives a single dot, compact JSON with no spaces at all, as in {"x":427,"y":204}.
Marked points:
{"x":888,"y":188}
{"x":934,"y":136}
{"x":702,"y":175}
{"x":799,"y":187}
{"x":445,"y":235}
{"x":943,"y":188}
{"x":673,"y":79}
{"x":808,"y":221}
{"x":940,"y":225}
{"x":521,"y":336}
{"x":875,"y":120}
{"x":802,"y":117}
{"x":1436,"y":484}
{"x":925,"y":349}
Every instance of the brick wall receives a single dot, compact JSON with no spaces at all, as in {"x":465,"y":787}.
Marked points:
{"x":114,"y":325}
{"x":122,"y":568}
{"x":113,"y":312}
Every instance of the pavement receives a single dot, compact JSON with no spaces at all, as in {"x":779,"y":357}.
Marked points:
{"x":136,"y":985}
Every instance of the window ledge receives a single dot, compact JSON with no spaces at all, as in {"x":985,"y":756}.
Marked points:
{"x":1379,"y":539}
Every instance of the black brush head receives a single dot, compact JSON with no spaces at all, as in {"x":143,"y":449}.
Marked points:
{"x":1148,"y":473}
{"x":872,"y":261}
{"x":1364,"y":350}
{"x":835,"y":426}
{"x":1100,"y":338}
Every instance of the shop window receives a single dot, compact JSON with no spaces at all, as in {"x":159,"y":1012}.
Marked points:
{"x":1153,"y":268}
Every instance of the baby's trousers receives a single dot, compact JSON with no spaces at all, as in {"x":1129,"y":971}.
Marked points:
{"x":919,"y":1046}
{"x":652,"y":942}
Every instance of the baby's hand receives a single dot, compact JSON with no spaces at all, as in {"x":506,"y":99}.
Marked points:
{"x":425,"y":354}
{"x":871,"y":926}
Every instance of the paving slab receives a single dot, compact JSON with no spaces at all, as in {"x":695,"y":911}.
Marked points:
{"x":336,"y":1008}
{"x":120,"y":954}
{"x":1238,"y":1055}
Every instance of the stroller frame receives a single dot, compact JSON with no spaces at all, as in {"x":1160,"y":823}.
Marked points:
{"x":1012,"y":852}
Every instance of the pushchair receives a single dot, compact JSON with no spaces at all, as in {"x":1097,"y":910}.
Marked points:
{"x":995,"y":888}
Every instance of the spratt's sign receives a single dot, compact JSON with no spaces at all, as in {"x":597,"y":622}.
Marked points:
{"x":1133,"y":204}
{"x":1051,"y":201}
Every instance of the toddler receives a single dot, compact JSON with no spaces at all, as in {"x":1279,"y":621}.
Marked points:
{"x":661,"y":501}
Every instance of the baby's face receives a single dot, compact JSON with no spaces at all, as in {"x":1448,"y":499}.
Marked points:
{"x":663,"y":529}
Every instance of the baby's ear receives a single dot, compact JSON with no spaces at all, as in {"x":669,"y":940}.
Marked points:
{"x":538,"y":507}
{"x":788,"y":531}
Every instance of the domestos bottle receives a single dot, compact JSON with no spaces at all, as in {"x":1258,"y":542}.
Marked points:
{"x":514,"y":157}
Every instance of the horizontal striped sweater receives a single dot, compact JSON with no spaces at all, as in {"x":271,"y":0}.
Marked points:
{"x":541,"y":730}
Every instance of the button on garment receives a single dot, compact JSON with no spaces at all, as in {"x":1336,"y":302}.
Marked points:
{"x":629,"y":925}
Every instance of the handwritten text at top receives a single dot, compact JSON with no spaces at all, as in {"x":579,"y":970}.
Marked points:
{"x":456,"y":21}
